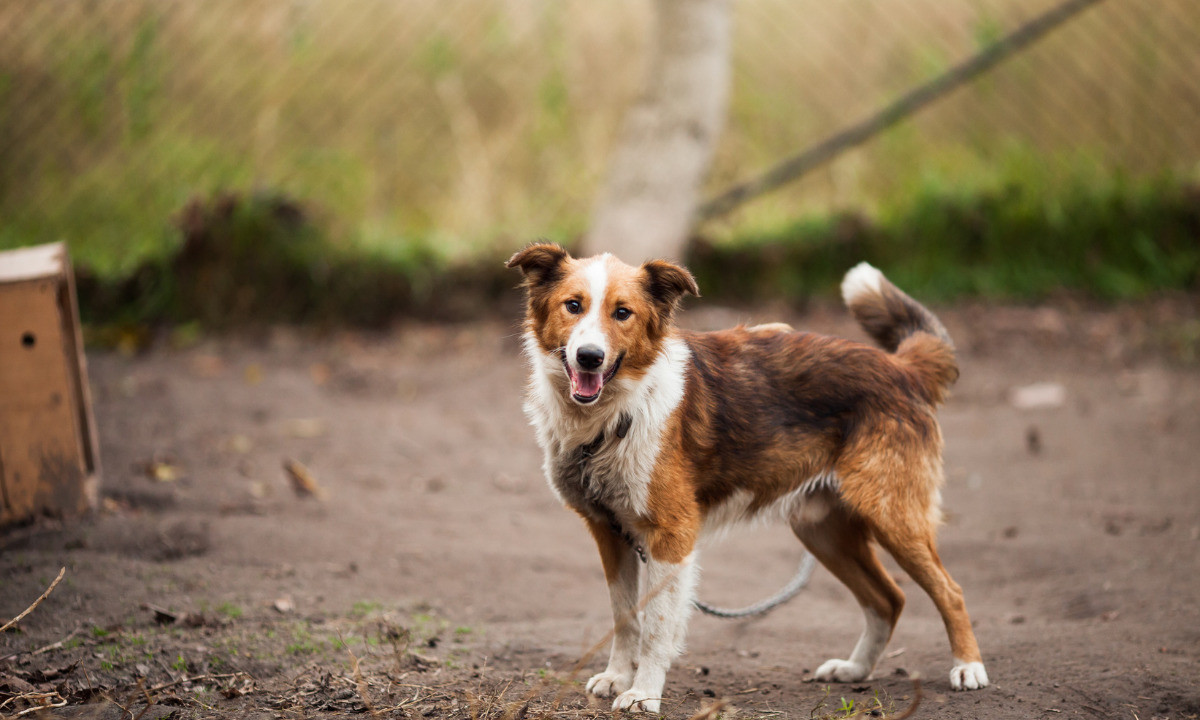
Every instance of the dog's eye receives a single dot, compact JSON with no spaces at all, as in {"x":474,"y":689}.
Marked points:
{"x":622,"y":314}
{"x":574,"y":307}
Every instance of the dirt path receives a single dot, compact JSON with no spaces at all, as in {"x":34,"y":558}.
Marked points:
{"x":439,"y":558}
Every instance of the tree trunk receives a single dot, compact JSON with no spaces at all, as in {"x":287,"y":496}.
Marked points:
{"x":649,"y":199}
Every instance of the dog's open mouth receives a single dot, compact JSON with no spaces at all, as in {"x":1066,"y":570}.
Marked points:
{"x":586,"y":386}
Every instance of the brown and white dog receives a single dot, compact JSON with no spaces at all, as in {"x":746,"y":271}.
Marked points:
{"x":656,"y":436}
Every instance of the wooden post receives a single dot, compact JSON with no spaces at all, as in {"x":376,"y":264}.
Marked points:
{"x":48,"y":457}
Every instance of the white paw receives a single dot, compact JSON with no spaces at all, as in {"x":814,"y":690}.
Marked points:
{"x":968,"y":676}
{"x":608,"y":683}
{"x":636,"y":700}
{"x":841,"y":671}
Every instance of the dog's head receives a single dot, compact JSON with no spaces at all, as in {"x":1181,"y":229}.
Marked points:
{"x":602,"y":318}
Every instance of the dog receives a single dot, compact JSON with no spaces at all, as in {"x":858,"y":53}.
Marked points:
{"x":657,"y":436}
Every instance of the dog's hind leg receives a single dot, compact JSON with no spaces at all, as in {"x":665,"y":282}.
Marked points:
{"x":840,"y":540}
{"x":917,"y":554}
{"x":621,"y":572}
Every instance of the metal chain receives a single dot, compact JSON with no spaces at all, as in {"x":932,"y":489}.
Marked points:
{"x":807,"y":563}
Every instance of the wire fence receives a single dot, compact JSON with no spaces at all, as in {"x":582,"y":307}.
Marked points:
{"x":459,"y":125}
{"x":1112,"y":95}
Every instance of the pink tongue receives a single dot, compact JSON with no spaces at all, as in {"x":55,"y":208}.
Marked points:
{"x":588,"y":384}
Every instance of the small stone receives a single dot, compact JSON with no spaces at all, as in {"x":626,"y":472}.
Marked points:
{"x":1038,"y":395}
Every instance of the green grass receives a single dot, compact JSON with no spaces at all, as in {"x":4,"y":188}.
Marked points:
{"x":875,"y":706}
{"x":846,"y":708}
{"x":363,"y":608}
{"x":1116,"y":241}
{"x":264,"y":258}
{"x":304,"y":642}
{"x":230,"y":610}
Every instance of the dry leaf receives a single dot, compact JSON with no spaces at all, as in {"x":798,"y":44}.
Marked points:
{"x":159,"y":471}
{"x":162,"y":616}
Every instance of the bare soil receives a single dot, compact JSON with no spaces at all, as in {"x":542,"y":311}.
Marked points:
{"x":432,"y":573}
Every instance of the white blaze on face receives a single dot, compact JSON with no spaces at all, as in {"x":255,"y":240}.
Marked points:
{"x":590,"y":330}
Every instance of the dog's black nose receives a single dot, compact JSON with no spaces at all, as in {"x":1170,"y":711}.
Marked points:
{"x":589,"y":357}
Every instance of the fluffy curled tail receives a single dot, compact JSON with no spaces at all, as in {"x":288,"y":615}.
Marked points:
{"x":902,"y":326}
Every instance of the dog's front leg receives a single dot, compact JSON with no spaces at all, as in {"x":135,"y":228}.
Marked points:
{"x":669,"y":589}
{"x":621,"y":572}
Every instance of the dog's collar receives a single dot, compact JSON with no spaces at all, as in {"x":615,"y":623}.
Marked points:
{"x":588,"y":451}
{"x":623,"y":425}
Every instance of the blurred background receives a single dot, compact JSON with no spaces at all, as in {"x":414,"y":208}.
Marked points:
{"x":371,"y":149}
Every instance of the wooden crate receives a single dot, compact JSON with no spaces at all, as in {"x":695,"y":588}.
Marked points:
{"x":48,"y":453}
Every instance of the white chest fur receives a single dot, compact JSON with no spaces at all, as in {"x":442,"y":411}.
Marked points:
{"x":616,"y":477}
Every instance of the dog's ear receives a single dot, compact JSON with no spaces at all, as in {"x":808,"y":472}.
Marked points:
{"x":667,"y":283}
{"x":540,"y":262}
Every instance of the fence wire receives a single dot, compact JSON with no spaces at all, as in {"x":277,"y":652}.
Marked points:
{"x":459,"y":124}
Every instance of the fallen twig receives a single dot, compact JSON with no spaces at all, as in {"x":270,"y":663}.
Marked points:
{"x":57,"y":645}
{"x":29,"y":697}
{"x":47,"y":648}
{"x":196,"y":678}
{"x":141,"y":683}
{"x":303,"y":482}
{"x":360,"y":684}
{"x":37,"y":602}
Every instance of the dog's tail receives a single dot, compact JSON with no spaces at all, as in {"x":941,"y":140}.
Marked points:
{"x":904,"y":327}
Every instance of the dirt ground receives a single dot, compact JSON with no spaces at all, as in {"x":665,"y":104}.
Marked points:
{"x":433,"y":574}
